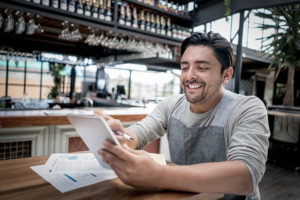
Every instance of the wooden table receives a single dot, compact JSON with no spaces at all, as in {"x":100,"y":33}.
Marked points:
{"x":283,"y":114}
{"x":18,"y":181}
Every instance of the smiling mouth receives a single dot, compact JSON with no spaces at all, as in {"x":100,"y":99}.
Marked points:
{"x":194,"y":86}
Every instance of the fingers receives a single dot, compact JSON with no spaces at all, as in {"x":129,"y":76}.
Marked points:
{"x":136,"y":152}
{"x":113,"y":123}
{"x":116,"y":125}
{"x":121,"y":139}
{"x":115,"y":161}
{"x":99,"y":113}
{"x":120,"y":152}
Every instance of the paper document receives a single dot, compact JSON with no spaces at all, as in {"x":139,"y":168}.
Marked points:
{"x":65,"y":162}
{"x":159,"y":158}
{"x":64,"y":176}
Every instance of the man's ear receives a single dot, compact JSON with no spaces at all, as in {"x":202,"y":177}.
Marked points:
{"x":227,"y":74}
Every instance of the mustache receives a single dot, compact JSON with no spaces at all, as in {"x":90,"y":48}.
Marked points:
{"x":187,"y":82}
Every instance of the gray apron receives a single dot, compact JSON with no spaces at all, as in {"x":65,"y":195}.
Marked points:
{"x":191,"y":145}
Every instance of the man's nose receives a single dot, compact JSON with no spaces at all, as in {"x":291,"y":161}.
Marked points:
{"x":191,"y":73}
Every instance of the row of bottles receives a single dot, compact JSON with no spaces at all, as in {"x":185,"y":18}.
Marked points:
{"x":148,"y":21}
{"x":132,"y":16}
{"x":166,"y":5}
{"x":101,"y":9}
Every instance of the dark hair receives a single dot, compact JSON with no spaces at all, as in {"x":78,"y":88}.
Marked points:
{"x":222,"y":48}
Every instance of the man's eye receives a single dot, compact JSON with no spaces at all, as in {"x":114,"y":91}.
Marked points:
{"x":202,"y":69}
{"x":184,"y":68}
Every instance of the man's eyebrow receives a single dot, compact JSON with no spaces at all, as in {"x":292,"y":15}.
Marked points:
{"x":202,"y":61}
{"x":197,"y":62}
{"x":184,"y":62}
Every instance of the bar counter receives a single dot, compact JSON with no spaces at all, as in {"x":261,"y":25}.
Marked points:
{"x":25,"y":118}
{"x":18,"y":181}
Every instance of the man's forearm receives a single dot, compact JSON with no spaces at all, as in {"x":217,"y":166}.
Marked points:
{"x":229,"y":177}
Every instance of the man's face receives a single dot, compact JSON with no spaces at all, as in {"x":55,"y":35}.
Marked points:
{"x":201,"y":78}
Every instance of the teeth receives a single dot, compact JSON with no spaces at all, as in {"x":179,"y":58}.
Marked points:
{"x":194,"y":86}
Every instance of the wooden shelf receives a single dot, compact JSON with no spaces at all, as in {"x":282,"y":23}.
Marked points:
{"x":52,"y":18}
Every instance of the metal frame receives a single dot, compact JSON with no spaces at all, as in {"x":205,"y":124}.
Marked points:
{"x":238,"y":67}
{"x":203,"y":13}
{"x":25,"y":78}
{"x":41,"y":79}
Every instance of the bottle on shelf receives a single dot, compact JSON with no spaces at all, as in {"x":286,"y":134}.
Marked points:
{"x":159,"y":4}
{"x":169,"y":28}
{"x":135,"y":19}
{"x":158,"y":25}
{"x":180,"y":9}
{"x":95,"y":8}
{"x":151,"y":2}
{"x":45,"y":2}
{"x":54,"y":3}
{"x":128,"y":15}
{"x":101,"y":11}
{"x":36,"y":1}
{"x":162,"y":25}
{"x":63,"y":4}
{"x":165,"y":5}
{"x":79,"y":7}
{"x":147,"y":25}
{"x":152,"y":29}
{"x":122,"y":14}
{"x":175,"y":8}
{"x":87,"y":7}
{"x":185,"y":10}
{"x":142,"y":20}
{"x":71,"y":6}
{"x":174,"y":31}
{"x":170,"y":6}
{"x":108,"y":16}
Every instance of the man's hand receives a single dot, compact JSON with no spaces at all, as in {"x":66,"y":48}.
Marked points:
{"x":116,"y":125}
{"x":133,"y":167}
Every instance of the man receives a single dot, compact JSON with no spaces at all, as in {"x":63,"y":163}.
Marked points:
{"x":217,"y":139}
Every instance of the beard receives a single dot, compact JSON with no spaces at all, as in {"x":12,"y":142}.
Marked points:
{"x":204,"y":95}
{"x":199,"y":98}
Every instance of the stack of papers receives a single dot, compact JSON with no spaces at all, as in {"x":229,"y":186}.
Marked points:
{"x":67,"y":172}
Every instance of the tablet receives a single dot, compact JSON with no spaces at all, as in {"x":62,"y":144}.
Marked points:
{"x":93,"y":130}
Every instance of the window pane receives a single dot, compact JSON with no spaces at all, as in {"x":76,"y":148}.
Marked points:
{"x":153,"y":84}
{"x":91,"y":73}
{"x":2,"y":77}
{"x":47,"y":84}
{"x":15,"y":79}
{"x":117,"y":77}
{"x":33,"y":91}
{"x":15,"y":91}
{"x":45,"y":91}
{"x":34,"y":66}
{"x":79,"y":80}
{"x":2,"y":90}
{"x":33,"y":85}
